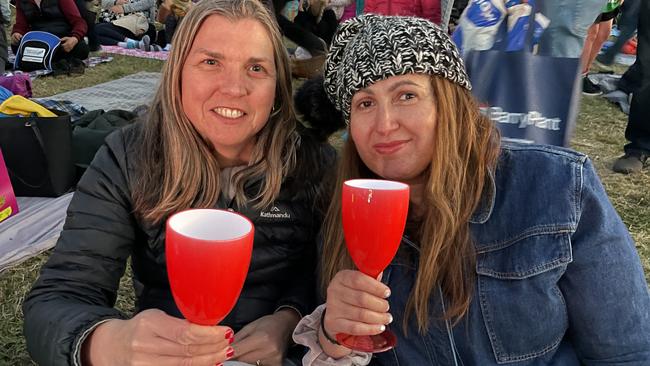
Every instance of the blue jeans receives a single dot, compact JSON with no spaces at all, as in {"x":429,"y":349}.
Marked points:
{"x":570,"y":19}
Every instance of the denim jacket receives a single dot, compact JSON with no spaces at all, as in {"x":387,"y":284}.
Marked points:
{"x":558,"y":279}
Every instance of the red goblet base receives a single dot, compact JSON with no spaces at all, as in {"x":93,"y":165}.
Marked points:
{"x":374,"y":343}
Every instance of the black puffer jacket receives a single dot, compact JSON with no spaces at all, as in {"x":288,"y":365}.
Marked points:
{"x":77,"y":286}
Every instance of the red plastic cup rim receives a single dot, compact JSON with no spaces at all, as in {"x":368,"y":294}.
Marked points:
{"x":378,"y":184}
{"x":210,"y":225}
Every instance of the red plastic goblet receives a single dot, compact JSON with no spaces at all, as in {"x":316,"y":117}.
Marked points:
{"x":374,"y":216}
{"x":208,"y":253}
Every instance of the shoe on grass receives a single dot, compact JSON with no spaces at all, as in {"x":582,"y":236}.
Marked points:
{"x":589,"y":88}
{"x":629,"y":163}
{"x":145,"y":43}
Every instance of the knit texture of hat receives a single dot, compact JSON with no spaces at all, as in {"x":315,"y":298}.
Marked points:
{"x":370,"y":48}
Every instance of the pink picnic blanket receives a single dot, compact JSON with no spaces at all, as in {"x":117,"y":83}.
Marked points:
{"x":161,"y":55}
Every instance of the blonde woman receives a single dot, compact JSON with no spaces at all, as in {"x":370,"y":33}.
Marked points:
{"x":221,"y":133}
{"x":512,"y":254}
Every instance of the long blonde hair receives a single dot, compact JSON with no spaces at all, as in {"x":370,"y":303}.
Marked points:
{"x":465,"y":149}
{"x":177,"y":167}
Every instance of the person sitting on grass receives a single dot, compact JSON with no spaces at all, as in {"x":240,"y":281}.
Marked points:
{"x":512,"y":253}
{"x":59,"y":17}
{"x":221,"y":132}
{"x":126,"y":21}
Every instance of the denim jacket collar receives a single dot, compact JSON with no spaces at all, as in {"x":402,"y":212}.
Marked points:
{"x":486,"y":205}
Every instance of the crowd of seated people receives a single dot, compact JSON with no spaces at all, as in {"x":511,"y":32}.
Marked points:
{"x":84,"y":25}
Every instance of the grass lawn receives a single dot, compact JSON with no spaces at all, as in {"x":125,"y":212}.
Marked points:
{"x":599,"y":134}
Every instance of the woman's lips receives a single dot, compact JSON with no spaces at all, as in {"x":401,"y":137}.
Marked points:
{"x":229,"y":116}
{"x":391,"y":147}
{"x":230,"y":113}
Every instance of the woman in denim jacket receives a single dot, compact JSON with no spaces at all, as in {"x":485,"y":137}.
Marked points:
{"x":512,"y":255}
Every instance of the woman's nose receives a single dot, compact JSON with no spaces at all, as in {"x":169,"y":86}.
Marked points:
{"x":232,"y":83}
{"x":387,"y":120}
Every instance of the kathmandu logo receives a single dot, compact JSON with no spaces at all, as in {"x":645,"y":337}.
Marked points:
{"x":275,"y":213}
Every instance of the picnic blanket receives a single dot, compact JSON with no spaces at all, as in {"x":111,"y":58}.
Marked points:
{"x":89,"y":62}
{"x":125,"y":93}
{"x":160,"y":55}
{"x":34,"y":229}
{"x":38,"y":224}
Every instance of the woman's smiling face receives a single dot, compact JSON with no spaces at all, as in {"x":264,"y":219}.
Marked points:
{"x":228,"y":84}
{"x":392,"y":124}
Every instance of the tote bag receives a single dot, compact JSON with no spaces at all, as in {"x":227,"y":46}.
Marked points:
{"x":37,"y":152}
{"x":531,"y":98}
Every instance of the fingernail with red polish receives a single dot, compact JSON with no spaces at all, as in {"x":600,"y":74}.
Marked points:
{"x":231,"y":339}
{"x":230,"y":353}
{"x":229,"y":334}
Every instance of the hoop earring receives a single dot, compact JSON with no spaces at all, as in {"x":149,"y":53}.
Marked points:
{"x":274,"y":110}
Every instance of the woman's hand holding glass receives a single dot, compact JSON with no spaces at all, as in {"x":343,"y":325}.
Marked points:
{"x":155,"y":338}
{"x":266,"y":339}
{"x":356,"y":305}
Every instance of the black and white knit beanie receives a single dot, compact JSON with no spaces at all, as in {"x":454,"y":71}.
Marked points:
{"x":370,"y":48}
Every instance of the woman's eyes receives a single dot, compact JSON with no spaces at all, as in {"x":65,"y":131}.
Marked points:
{"x":257,"y":68}
{"x":210,"y":61}
{"x":365,"y":104}
{"x":407,"y":96}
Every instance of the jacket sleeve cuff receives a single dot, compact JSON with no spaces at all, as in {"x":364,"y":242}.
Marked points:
{"x":306,"y":333}
{"x":81,"y":338}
